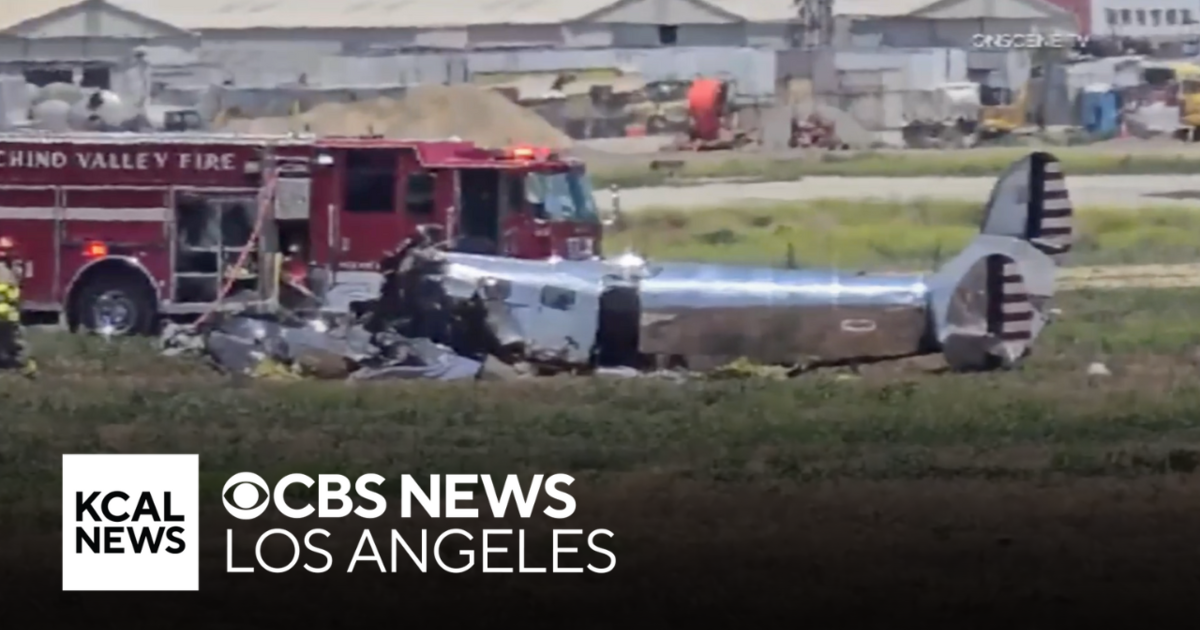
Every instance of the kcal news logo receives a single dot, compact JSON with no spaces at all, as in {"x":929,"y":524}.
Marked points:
{"x":131,"y":522}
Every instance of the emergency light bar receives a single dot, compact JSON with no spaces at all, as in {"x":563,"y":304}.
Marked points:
{"x":526,"y":153}
{"x":95,"y":249}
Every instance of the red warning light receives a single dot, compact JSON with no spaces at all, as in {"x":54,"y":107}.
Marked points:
{"x":95,"y":249}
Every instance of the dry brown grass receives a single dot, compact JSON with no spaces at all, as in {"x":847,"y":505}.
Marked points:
{"x":1131,"y":277}
{"x":630,"y":171}
{"x":893,"y":420}
{"x":881,"y":234}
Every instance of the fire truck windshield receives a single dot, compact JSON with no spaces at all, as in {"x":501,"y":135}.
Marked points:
{"x":563,"y":196}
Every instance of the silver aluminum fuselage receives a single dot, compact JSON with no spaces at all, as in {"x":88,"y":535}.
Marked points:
{"x":721,"y":312}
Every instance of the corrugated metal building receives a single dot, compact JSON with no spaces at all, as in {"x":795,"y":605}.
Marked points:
{"x":1151,"y":19}
{"x":463,"y":24}
{"x":272,"y":41}
{"x":879,"y":87}
{"x":62,"y":38}
{"x":942,"y":23}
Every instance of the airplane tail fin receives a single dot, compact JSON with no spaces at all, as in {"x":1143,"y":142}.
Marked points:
{"x":990,"y":303}
{"x":1030,"y":202}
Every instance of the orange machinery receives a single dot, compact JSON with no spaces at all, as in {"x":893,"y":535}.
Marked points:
{"x":710,"y":112}
{"x":706,"y":108}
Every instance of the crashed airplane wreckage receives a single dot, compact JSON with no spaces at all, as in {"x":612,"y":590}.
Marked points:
{"x":982,"y":310}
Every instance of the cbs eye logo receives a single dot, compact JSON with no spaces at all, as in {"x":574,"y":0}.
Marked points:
{"x":246,"y":496}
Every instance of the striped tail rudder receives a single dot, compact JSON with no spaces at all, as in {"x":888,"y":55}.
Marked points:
{"x":1051,"y":217}
{"x":1011,"y":312}
{"x":1030,"y":201}
{"x":992,"y":301}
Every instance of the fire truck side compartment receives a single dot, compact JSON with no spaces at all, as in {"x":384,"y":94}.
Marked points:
{"x":211,"y":232}
{"x":293,"y":197}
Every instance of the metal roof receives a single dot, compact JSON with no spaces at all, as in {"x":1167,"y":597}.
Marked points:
{"x":14,"y":12}
{"x":880,"y":8}
{"x":299,"y":14}
{"x":302,"y":14}
{"x":901,"y":8}
{"x":758,"y":10}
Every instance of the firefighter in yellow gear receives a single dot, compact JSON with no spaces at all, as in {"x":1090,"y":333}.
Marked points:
{"x":13,"y":353}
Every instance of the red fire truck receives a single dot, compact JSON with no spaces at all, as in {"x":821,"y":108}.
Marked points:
{"x":116,"y":230}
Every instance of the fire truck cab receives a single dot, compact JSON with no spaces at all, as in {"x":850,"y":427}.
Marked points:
{"x":113,"y":231}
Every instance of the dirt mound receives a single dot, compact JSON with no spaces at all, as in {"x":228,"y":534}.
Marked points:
{"x":471,"y":113}
{"x":428,"y":112}
{"x":263,"y":126}
{"x":368,"y":117}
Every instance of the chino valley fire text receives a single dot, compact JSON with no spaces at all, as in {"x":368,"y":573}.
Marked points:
{"x":455,"y":548}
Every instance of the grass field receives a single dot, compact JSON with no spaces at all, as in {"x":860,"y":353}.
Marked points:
{"x":889,"y":234}
{"x":894,"y":421}
{"x":988,"y":162}
{"x":920,"y":494}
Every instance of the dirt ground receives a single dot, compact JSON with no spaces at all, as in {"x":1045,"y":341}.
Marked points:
{"x":1127,"y":276}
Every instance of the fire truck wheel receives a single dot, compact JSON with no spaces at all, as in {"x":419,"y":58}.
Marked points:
{"x":116,"y":305}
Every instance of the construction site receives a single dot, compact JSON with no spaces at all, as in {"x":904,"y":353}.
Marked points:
{"x":700,"y":114}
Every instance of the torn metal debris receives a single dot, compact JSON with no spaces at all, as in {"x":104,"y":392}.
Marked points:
{"x":267,"y":347}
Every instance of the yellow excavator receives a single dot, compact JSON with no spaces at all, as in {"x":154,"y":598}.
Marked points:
{"x":1018,"y":112}
{"x":1004,"y":119}
{"x":1015,"y":112}
{"x":663,"y":108}
{"x":1187,"y":75}
{"x":1189,"y":108}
